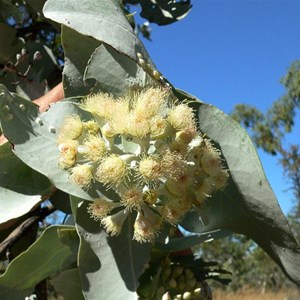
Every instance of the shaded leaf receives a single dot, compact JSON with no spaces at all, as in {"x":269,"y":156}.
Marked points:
{"x":9,"y":44}
{"x":247,"y":205}
{"x":186,"y":242}
{"x":114,"y":72}
{"x":78,"y":50}
{"x":61,"y":201}
{"x":61,"y":243}
{"x":109,"y":266}
{"x":8,"y":9}
{"x":163,"y":12}
{"x":20,"y":186}
{"x":68,"y":284}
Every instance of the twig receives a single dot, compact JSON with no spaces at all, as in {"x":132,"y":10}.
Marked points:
{"x":24,"y":227}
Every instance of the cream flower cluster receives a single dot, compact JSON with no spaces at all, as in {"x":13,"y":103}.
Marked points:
{"x":146,"y":147}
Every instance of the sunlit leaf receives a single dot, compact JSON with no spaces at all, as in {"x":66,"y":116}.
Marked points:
{"x":106,"y":23}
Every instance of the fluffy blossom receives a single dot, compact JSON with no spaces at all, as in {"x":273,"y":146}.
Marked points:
{"x":145,"y":147}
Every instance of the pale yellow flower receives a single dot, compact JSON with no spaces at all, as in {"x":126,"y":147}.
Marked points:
{"x":211,"y":161}
{"x":181,"y":117}
{"x":150,"y":102}
{"x":146,"y":226}
{"x":150,"y":169}
{"x":132,"y":197}
{"x":100,"y":208}
{"x":219,"y":180}
{"x":71,"y":129}
{"x":68,"y":152}
{"x":111,"y":171}
{"x":81,"y":175}
{"x":91,"y":127}
{"x":95,"y":148}
{"x":113,"y":224}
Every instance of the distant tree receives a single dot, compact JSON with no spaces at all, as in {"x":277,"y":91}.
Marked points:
{"x":269,"y":130}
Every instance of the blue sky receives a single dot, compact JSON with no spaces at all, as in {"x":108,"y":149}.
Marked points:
{"x":227,"y":52}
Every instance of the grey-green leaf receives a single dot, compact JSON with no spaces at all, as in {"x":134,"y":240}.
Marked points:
{"x":53,"y":252}
{"x":20,"y":186}
{"x":78,"y":50}
{"x":248,"y":204}
{"x":103,"y":20}
{"x":34,"y":136}
{"x":114,"y":72}
{"x":109,"y":266}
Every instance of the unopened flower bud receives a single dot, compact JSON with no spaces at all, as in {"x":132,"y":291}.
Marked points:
{"x":191,"y":283}
{"x":166,"y":296}
{"x":187,"y":296}
{"x":177,"y":272}
{"x":107,"y":131}
{"x":142,"y":62}
{"x":188,"y":273}
{"x":68,"y":151}
{"x":197,"y":293}
{"x":172,"y":283}
{"x":156,"y":74}
{"x":166,"y":274}
{"x":185,"y":136}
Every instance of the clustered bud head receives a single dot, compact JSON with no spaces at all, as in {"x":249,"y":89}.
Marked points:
{"x":178,"y":282}
{"x":146,"y":147}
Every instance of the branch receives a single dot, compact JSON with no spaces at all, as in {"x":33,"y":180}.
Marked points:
{"x":24,"y":227}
